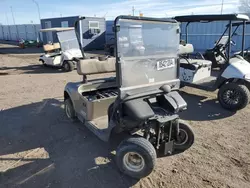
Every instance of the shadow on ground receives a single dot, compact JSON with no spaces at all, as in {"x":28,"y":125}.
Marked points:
{"x":70,"y":155}
{"x":31,"y":69}
{"x":202,"y":109}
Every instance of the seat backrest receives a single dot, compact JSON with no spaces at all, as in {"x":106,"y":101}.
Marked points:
{"x":51,"y":47}
{"x":94,"y":66}
{"x":186,"y":49}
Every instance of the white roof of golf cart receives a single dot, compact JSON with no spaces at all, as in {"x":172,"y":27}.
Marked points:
{"x":212,"y":17}
{"x":57,"y":29}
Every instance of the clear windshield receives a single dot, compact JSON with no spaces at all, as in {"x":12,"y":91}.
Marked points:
{"x":68,"y":40}
{"x":148,"y":51}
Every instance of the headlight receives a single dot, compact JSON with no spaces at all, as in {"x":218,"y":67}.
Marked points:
{"x":247,"y":77}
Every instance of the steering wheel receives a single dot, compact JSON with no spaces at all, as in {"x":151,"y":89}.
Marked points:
{"x":233,"y":43}
{"x":219,"y":49}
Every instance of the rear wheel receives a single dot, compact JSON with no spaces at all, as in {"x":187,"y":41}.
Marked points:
{"x":185,"y":138}
{"x":136,"y":157}
{"x":234,"y":96}
{"x":68,"y":66}
{"x":69,"y":109}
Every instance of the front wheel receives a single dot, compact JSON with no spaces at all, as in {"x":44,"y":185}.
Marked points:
{"x":43,"y":62}
{"x":185,"y":138}
{"x":68,"y":66}
{"x":234,"y":96}
{"x":136,"y":157}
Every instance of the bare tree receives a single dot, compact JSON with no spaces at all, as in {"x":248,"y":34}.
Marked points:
{"x":244,"y":6}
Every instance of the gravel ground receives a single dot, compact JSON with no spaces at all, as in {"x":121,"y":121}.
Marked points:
{"x":40,"y":147}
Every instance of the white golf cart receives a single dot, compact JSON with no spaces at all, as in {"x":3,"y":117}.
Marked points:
{"x":231,"y":77}
{"x":63,"y":53}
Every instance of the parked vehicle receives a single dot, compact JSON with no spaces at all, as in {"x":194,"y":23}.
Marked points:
{"x":29,"y":43}
{"x":232,"y":76}
{"x":62,"y":54}
{"x":141,"y":102}
{"x":245,"y":51}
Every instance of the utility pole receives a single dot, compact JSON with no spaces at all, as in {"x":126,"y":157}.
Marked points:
{"x":38,"y":9}
{"x":133,"y":10}
{"x":14,"y":22}
{"x":7,"y":20}
{"x":222,"y":4}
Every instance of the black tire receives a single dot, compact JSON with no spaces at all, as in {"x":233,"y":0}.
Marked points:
{"x":68,"y":66}
{"x":137,"y":147}
{"x":110,"y":110}
{"x":234,"y":96}
{"x":69,"y":109}
{"x":42,"y":61}
{"x":185,"y":139}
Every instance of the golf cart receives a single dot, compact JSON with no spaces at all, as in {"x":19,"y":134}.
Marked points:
{"x":63,"y":53}
{"x":141,"y":102}
{"x":231,"y":77}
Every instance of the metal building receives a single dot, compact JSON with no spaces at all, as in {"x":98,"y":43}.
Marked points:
{"x":92,"y":30}
{"x":109,"y":32}
{"x":17,"y":32}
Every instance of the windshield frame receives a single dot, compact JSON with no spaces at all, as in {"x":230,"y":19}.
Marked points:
{"x":116,"y":31}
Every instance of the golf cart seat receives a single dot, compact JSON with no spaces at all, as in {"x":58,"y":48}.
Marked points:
{"x":53,"y":49}
{"x":188,"y":63}
{"x":95,"y":66}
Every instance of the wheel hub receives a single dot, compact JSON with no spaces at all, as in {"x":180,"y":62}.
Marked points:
{"x":133,"y":161}
{"x":182,"y":138}
{"x":66,"y":66}
{"x":68,"y":111}
{"x":232,"y":97}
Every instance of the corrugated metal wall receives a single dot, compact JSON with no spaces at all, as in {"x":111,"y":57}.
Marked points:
{"x":204,"y":35}
{"x":16,"y":32}
{"x":201,"y":35}
{"x":109,"y":31}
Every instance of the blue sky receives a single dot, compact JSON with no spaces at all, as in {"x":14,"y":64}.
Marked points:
{"x":25,"y":11}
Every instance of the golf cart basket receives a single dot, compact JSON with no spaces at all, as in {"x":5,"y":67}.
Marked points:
{"x":146,"y":62}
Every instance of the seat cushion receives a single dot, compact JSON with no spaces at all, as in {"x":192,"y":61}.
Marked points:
{"x":138,"y":109}
{"x":194,"y":64}
{"x":94,"y":66}
{"x":185,"y":49}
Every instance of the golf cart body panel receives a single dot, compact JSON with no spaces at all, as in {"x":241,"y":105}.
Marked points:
{"x":237,"y":68}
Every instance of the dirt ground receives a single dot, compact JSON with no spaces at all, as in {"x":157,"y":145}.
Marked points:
{"x":40,"y":147}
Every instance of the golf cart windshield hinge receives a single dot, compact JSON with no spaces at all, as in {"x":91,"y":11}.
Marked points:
{"x":116,"y":28}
